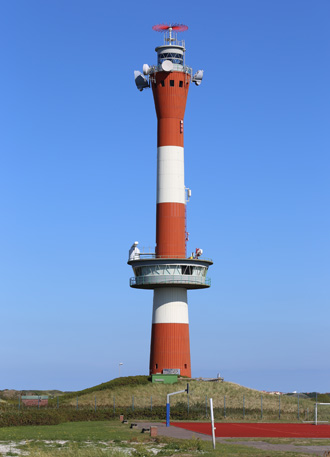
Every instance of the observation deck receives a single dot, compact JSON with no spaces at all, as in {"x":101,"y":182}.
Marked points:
{"x":153,"y":271}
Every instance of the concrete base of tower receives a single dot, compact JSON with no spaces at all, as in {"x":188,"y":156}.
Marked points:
{"x":170,"y":347}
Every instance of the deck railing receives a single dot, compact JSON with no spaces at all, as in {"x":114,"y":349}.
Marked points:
{"x":169,"y":279}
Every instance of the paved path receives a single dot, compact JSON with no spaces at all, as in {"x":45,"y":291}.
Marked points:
{"x":180,"y":433}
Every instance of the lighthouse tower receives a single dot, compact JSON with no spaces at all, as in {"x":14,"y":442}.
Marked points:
{"x":168,"y":271}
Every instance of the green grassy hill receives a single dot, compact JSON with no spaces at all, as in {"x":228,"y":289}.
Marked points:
{"x":138,"y":398}
{"x":138,"y":392}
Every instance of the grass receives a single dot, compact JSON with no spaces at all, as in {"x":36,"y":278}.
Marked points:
{"x":294,"y":441}
{"x":99,"y":437}
{"x":96,"y":439}
{"x":124,"y":392}
{"x":232,"y":451}
{"x":74,"y":431}
{"x":149,"y":401}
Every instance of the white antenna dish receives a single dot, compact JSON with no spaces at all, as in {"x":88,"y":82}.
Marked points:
{"x":146,"y":69}
{"x":167,"y":65}
{"x":140,"y":81}
{"x":198,"y":76}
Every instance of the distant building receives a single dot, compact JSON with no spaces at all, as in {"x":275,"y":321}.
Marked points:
{"x":35,"y":400}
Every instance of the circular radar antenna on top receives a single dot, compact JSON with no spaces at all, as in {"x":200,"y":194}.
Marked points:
{"x":166,"y":27}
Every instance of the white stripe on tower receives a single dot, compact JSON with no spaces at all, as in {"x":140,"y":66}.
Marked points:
{"x":170,"y":174}
{"x":170,"y":306}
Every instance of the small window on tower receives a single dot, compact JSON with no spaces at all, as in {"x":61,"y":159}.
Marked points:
{"x":180,"y":83}
{"x":156,"y":366}
{"x":187,"y":270}
{"x":185,"y":365}
{"x":172,"y":82}
{"x":162,"y":83}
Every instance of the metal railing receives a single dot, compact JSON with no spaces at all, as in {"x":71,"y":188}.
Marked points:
{"x":144,"y":254}
{"x":169,"y":279}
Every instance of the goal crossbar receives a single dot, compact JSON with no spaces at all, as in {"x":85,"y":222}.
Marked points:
{"x":316,"y":405}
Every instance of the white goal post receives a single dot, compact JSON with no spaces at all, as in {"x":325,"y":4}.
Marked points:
{"x":316,"y":405}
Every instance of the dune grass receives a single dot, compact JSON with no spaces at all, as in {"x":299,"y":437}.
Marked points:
{"x":136,"y":397}
{"x":228,"y":400}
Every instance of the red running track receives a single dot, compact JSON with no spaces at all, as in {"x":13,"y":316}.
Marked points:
{"x":253,"y":430}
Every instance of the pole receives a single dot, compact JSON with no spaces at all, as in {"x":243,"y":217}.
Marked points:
{"x":212,"y":422}
{"x":279,"y":406}
{"x":315,"y":413}
{"x":168,"y":412}
{"x":188,"y":404}
{"x":205,"y":405}
{"x":168,"y":403}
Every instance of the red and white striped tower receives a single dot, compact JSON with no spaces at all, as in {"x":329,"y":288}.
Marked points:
{"x":168,"y":271}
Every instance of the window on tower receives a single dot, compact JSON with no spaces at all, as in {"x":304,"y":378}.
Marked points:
{"x":180,"y":83}
{"x":162,"y":83}
{"x":172,"y":56}
{"x":172,"y":82}
{"x":187,"y":270}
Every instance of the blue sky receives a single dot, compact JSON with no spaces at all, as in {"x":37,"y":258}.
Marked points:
{"x":78,"y":186}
